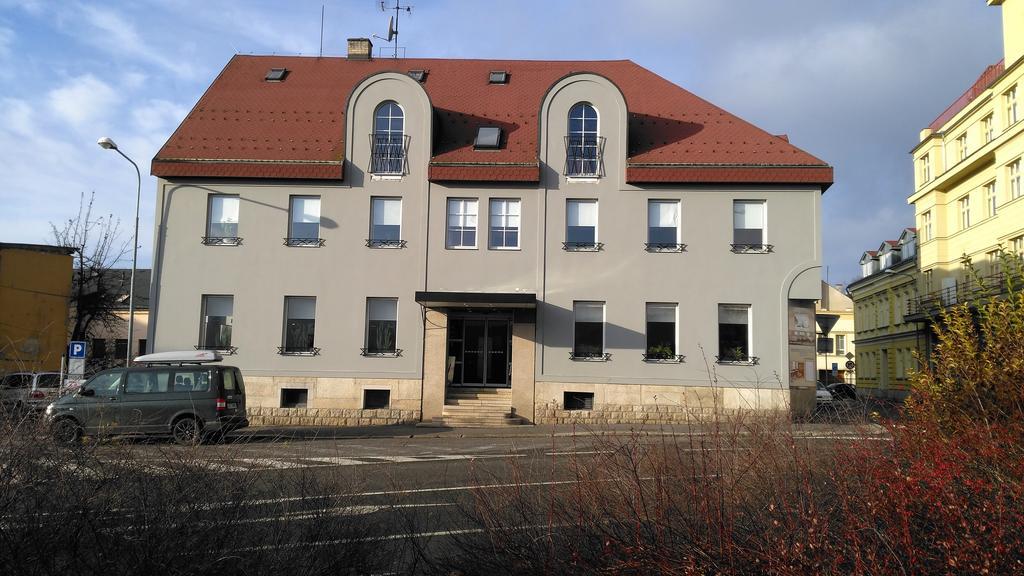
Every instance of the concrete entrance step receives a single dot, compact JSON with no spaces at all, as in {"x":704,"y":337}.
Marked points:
{"x":478,"y":392}
{"x":476,"y":409}
{"x":472,"y":422}
{"x":482,"y":402}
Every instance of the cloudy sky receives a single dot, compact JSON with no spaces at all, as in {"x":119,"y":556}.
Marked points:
{"x":851,"y":82}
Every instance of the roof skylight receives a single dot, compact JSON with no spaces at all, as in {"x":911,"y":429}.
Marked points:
{"x":276,"y":74}
{"x":498,"y":77}
{"x":487,"y":138}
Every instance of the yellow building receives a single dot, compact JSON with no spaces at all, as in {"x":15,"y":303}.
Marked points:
{"x":969,"y":196}
{"x":35,"y":284}
{"x":834,"y":301}
{"x":886,"y":337}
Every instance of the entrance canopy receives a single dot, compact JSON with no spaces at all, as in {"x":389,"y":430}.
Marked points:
{"x":476,"y":299}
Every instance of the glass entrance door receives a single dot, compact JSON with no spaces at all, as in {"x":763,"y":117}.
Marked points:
{"x":479,"y":351}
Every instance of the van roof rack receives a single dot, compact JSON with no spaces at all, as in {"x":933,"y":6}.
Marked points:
{"x":180,"y":358}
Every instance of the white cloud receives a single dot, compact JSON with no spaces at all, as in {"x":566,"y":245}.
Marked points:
{"x":119,"y":37}
{"x":17,"y":116}
{"x":6,"y":40}
{"x":83,"y":100}
{"x":158,"y":115}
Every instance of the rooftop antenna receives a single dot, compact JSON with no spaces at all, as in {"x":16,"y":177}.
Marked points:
{"x":393,"y":22}
{"x":321,"y":30}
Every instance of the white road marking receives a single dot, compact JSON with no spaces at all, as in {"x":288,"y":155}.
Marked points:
{"x":579,"y":453}
{"x":336,"y":460}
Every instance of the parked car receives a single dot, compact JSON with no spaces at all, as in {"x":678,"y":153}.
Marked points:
{"x":29,"y":391}
{"x":842,"y":391}
{"x":822,"y":395}
{"x":169,"y":393}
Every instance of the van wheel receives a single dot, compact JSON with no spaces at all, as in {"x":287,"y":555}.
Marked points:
{"x":66,"y":431}
{"x":185,"y":431}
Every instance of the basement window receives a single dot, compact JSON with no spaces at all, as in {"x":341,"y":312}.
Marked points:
{"x":374,"y":399}
{"x":294,"y":397}
{"x":497,"y":77}
{"x":578,"y":400}
{"x":276,"y":75}
{"x":418,"y":75}
{"x":487,"y":138}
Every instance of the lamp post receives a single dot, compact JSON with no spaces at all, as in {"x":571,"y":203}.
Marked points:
{"x":108,"y":144}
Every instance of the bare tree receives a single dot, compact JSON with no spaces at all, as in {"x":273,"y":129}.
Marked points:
{"x":96,"y":290}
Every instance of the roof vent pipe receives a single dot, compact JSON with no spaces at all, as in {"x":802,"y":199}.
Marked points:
{"x":360,"y":49}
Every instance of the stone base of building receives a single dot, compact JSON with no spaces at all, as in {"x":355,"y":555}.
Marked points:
{"x":260,"y":416}
{"x":646,"y":404}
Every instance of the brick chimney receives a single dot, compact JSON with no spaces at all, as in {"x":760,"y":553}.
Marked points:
{"x":360,"y":49}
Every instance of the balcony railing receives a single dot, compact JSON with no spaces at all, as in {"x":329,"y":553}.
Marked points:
{"x":664,"y":247}
{"x":225,"y":350}
{"x":388,"y":154}
{"x":371,"y":243}
{"x":737,"y":359}
{"x":661,"y":358}
{"x":222,"y":240}
{"x":590,"y":356}
{"x":584,"y":156}
{"x":967,"y":289}
{"x":582,"y":246}
{"x":298,"y":350}
{"x":752,"y":248}
{"x":306,"y":242}
{"x":397,"y":352}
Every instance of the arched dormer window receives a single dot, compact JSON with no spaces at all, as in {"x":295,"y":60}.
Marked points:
{"x":388,"y":143}
{"x":583,"y":146}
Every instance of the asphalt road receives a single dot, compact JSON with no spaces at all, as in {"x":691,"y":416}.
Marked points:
{"x":410,"y":491}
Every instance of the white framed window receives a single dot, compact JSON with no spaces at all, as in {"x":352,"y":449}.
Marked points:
{"x":988,"y":128}
{"x":962,"y":151}
{"x":588,"y":330}
{"x":840,"y":344}
{"x":304,"y":221}
{"x":462,"y":221}
{"x":991,"y":202}
{"x":1017,"y":245}
{"x":583,"y":143}
{"x":387,"y":150}
{"x":299,"y":325}
{"x":928,"y":281}
{"x":217,"y":320}
{"x":504,"y":215}
{"x":925,"y":168}
{"x":222,"y":220}
{"x":385,"y":223}
{"x":662,"y":335}
{"x":663,"y":224}
{"x":749,"y":219}
{"x":381,"y":326}
{"x":926,"y":226}
{"x":581,"y":225}
{"x":965,"y":212}
{"x":1013,"y":174}
{"x":734,"y":333}
{"x":1010,"y":100}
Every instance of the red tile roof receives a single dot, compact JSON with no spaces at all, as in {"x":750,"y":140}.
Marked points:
{"x":244,"y":126}
{"x":980,"y":85}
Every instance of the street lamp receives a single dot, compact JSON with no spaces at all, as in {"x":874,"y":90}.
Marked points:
{"x":108,"y":144}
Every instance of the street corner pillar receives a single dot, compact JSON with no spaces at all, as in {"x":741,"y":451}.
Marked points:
{"x":802,"y":356}
{"x":435,"y":362}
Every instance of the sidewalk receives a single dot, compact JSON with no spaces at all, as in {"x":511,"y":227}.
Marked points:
{"x":264,"y":433}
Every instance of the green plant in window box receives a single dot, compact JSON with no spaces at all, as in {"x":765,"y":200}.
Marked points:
{"x":661,"y":352}
{"x":735,"y":355}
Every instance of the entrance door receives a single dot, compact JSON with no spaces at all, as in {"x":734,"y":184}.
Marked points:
{"x":479,"y":351}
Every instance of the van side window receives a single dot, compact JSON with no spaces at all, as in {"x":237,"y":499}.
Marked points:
{"x":147,"y":382}
{"x":238,"y":380}
{"x":229,"y":380}
{"x":192,"y":381}
{"x":105,"y":383}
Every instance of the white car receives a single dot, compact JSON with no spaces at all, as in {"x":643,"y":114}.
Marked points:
{"x":822,"y":395}
{"x":28,"y":391}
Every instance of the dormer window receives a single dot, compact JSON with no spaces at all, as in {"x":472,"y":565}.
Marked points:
{"x":276,"y":75}
{"x":487,"y":138}
{"x":418,"y":75}
{"x":497,"y":77}
{"x":583,"y":146}
{"x":388,"y":143}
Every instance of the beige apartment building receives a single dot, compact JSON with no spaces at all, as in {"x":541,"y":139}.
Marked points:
{"x":834,"y":354}
{"x":969,"y":196}
{"x":472,"y":242}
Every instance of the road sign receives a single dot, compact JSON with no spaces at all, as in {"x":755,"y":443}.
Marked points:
{"x":849,"y":355}
{"x":850,"y":365}
{"x":835,"y":369}
{"x":76,"y":350}
{"x":826,"y":322}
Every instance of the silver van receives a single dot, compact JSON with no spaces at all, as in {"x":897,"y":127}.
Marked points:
{"x":29,"y":391}
{"x":169,"y":393}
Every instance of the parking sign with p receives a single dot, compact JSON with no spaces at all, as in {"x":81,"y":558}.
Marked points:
{"x":76,"y":350}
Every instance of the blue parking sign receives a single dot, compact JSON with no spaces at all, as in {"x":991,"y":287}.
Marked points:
{"x":76,"y":350}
